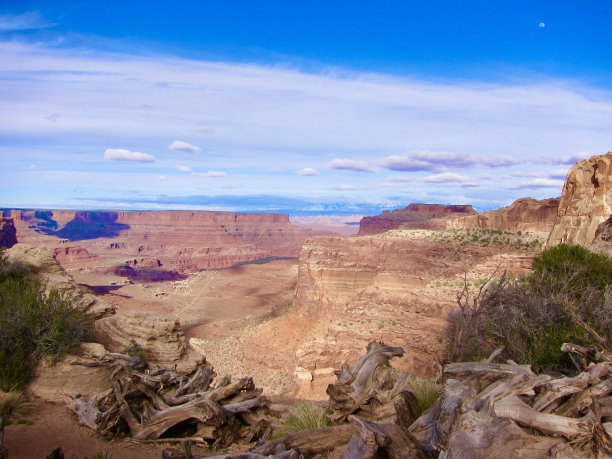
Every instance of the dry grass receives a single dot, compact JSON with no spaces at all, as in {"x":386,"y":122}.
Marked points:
{"x":425,"y":390}
{"x":304,"y":416}
{"x":12,"y":406}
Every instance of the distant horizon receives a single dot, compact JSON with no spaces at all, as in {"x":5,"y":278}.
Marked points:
{"x":299,"y":107}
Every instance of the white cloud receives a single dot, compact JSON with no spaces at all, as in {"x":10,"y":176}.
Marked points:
{"x":450,"y":179}
{"x":183,"y":146}
{"x":33,"y":166}
{"x":538,"y":183}
{"x":344,"y":188}
{"x":352,"y":165}
{"x":213,"y":174}
{"x":162,"y":177}
{"x":308,"y":171}
{"x":204,"y":130}
{"x":25,"y":21}
{"x":570,"y":159}
{"x":120,"y":154}
{"x":184,"y":168}
{"x":542,"y":24}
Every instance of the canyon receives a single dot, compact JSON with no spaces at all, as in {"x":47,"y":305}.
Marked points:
{"x":260,"y":296}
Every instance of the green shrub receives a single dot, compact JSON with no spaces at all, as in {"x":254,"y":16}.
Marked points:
{"x":533,"y":316}
{"x":35,"y":322}
{"x":304,"y":416}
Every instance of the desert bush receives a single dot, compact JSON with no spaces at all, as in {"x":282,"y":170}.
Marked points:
{"x":35,"y":322}
{"x":567,"y":297}
{"x":304,"y":416}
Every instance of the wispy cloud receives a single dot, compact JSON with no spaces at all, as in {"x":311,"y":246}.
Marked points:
{"x":183,"y":146}
{"x":441,"y":161}
{"x":25,"y":21}
{"x":308,"y":171}
{"x":120,"y":154}
{"x":184,"y":168}
{"x":451,"y":180}
{"x":538,"y":183}
{"x":213,"y":174}
{"x":571,"y":159}
{"x":352,"y":165}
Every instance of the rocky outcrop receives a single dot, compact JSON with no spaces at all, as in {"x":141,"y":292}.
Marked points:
{"x":160,"y":337}
{"x":178,"y":241}
{"x":586,"y":201}
{"x":46,"y":267}
{"x":423,"y":216}
{"x":8,"y":233}
{"x":603,"y":238}
{"x":525,"y":214}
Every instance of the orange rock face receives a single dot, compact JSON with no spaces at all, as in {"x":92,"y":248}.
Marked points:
{"x":178,"y":241}
{"x":586,"y":201}
{"x":525,"y":214}
{"x":424,"y":216}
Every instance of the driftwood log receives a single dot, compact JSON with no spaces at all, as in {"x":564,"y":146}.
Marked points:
{"x":163,"y":404}
{"x":491,"y":410}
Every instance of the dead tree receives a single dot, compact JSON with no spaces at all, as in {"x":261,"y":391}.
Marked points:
{"x":164,"y":404}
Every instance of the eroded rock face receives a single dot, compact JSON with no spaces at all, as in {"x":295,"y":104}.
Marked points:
{"x":177,"y":241}
{"x":586,"y":201}
{"x":160,"y":337}
{"x":44,"y":265}
{"x":423,"y":216}
{"x":381,"y":287}
{"x":525,"y":214}
{"x":8,"y":233}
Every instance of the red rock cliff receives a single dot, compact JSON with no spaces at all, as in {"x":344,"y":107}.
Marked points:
{"x":425,"y":216}
{"x":176,"y":240}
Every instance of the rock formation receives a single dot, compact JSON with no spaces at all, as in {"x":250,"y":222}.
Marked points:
{"x":8,"y":233}
{"x":586,"y":201}
{"x":173,"y":241}
{"x":525,"y":214}
{"x":424,"y":216}
{"x":381,"y":287}
{"x":160,"y":337}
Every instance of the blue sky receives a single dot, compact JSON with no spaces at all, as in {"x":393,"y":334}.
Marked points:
{"x":302,"y":107}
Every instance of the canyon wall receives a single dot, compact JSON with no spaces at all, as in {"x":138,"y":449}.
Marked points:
{"x":424,"y":216}
{"x":388,"y":287}
{"x":586,"y":201}
{"x":525,"y":214}
{"x":181,"y":241}
{"x":8,"y":233}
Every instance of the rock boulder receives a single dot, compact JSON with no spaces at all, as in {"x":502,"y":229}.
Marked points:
{"x":160,"y":337}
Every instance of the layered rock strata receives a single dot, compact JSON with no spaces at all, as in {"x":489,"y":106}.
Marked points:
{"x":586,"y":201}
{"x":525,"y":214}
{"x":383,"y":287}
{"x":8,"y":233}
{"x":178,"y":241}
{"x":423,"y":216}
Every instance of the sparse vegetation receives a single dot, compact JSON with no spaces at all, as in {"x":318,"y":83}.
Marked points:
{"x":567,"y":297}
{"x":12,"y":407}
{"x":425,"y":390}
{"x":304,"y":416}
{"x":35,"y":322}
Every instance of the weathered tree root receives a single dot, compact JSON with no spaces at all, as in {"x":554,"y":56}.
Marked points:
{"x":150,"y":405}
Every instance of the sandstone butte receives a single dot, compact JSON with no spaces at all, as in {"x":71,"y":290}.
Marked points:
{"x":424,"y":216}
{"x":8,"y":233}
{"x":173,"y":241}
{"x":586,"y":201}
